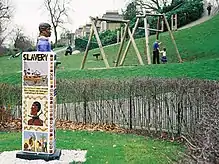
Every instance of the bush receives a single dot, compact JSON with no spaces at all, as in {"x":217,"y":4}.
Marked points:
{"x":81,"y":44}
{"x":203,"y":146}
{"x":107,"y":37}
{"x":188,"y":12}
{"x":5,"y":114}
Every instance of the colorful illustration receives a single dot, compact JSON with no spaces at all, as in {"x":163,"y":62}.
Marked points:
{"x":29,"y":141}
{"x":35,"y":114}
{"x":35,"y":74}
{"x":39,"y":103}
{"x":35,"y":111}
{"x":42,"y":142}
{"x":35,"y":142}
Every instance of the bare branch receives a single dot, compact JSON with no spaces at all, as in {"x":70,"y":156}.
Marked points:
{"x":58,"y":11}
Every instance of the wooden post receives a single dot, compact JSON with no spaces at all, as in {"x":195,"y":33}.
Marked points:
{"x":135,"y":47}
{"x":129,"y":43}
{"x":88,"y":44}
{"x":121,"y":45}
{"x":118,"y":37}
{"x":172,"y":38}
{"x":175,"y":21}
{"x":100,"y":45}
{"x":162,"y":25}
{"x":158,"y":27}
{"x":146,"y":39}
{"x":121,"y":33}
{"x":172,"y":22}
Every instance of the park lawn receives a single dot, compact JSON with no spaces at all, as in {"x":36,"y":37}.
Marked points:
{"x":202,"y":69}
{"x":196,"y":43}
{"x":198,"y":47}
{"x":107,"y":147}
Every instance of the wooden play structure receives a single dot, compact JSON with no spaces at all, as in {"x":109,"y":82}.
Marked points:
{"x":94,"y":31}
{"x":160,"y":23}
{"x":161,"y":19}
{"x":174,"y":22}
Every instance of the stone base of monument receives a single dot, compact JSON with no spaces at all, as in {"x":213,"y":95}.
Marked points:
{"x":36,"y":156}
{"x":67,"y":156}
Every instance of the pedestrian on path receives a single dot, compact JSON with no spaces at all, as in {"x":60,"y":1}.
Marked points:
{"x":209,"y":9}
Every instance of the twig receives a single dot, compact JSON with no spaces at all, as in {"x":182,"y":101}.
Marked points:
{"x":193,"y":146}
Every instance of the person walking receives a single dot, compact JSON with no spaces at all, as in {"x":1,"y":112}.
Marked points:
{"x":209,"y":8}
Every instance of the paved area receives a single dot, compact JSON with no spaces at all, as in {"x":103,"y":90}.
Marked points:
{"x":199,"y":21}
{"x":67,"y":156}
{"x":205,"y":16}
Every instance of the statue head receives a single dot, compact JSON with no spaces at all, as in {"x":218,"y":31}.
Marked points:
{"x":45,"y":29}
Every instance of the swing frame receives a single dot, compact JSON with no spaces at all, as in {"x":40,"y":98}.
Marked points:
{"x":95,"y":32}
{"x":145,"y":15}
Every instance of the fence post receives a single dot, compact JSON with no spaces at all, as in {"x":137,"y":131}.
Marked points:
{"x":85,"y":106}
{"x":130,"y":112}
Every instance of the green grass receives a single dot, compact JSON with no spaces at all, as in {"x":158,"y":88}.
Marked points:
{"x":198,"y":47}
{"x":205,"y":69}
{"x":109,"y":148}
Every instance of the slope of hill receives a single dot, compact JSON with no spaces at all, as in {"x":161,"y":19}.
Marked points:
{"x":198,"y":47}
{"x":197,"y":43}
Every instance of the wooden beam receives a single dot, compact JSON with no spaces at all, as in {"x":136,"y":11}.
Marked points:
{"x":129,"y":43}
{"x":135,"y":47}
{"x":88,"y":44}
{"x":172,"y":38}
{"x":144,"y":15}
{"x":158,"y":27}
{"x":176,"y":19}
{"x":172,"y":22}
{"x":100,"y":44}
{"x":121,"y":45}
{"x":147,"y":40}
{"x":110,"y":20}
{"x":121,"y":33}
{"x":150,"y":29}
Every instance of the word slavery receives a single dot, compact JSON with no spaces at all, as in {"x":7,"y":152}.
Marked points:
{"x":35,"y":57}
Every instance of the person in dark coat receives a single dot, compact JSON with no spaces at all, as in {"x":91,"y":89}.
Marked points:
{"x":209,"y":9}
{"x":156,"y":58}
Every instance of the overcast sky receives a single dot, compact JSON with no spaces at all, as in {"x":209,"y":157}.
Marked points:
{"x":29,"y":13}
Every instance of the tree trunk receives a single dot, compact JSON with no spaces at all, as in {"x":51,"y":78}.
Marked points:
{"x":56,"y":37}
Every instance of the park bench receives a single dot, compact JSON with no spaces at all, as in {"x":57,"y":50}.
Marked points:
{"x":96,"y":55}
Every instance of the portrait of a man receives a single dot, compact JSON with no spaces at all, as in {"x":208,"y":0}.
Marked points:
{"x":35,"y":114}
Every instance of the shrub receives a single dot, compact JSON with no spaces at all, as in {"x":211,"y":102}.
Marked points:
{"x":107,"y":37}
{"x":189,"y":11}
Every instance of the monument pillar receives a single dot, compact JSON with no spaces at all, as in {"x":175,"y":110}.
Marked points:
{"x":38,"y":106}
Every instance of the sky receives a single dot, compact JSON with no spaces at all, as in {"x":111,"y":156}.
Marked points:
{"x":29,"y":13}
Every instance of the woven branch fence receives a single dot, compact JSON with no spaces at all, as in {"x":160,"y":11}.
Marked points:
{"x":154,"y":105}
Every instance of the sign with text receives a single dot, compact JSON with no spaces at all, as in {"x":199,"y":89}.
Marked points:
{"x":38,"y":102}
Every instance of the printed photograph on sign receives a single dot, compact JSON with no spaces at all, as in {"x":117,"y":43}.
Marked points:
{"x":35,"y":141}
{"x":35,"y":73}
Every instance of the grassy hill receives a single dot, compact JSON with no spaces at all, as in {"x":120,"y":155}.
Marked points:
{"x":198,"y":47}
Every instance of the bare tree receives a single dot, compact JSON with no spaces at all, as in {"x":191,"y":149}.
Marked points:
{"x":5,"y":15}
{"x":154,"y":5}
{"x":3,"y":36}
{"x":58,"y":12}
{"x":5,"y":12}
{"x":20,"y":40}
